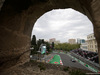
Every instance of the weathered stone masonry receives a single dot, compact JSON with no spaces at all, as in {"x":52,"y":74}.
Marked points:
{"x":17,"y":18}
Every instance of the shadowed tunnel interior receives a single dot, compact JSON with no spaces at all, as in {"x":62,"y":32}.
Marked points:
{"x":17,"y":18}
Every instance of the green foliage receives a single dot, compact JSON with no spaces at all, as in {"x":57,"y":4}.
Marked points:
{"x":77,"y":72}
{"x":66,"y":46}
{"x":42,"y":66}
{"x":39,"y":42}
{"x":33,"y":42}
{"x":48,"y":47}
{"x":34,"y":45}
{"x":66,"y":69}
{"x":33,"y":52}
{"x":42,"y":40}
{"x":52,"y":45}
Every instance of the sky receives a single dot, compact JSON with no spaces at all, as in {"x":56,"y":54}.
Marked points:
{"x":62,"y":24}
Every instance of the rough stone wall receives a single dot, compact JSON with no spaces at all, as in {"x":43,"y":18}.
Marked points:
{"x":15,"y":33}
{"x":1,"y":3}
{"x":17,"y":18}
{"x":95,"y":7}
{"x":13,"y":43}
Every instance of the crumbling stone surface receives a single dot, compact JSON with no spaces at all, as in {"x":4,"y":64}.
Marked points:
{"x":1,"y":3}
{"x":31,"y":68}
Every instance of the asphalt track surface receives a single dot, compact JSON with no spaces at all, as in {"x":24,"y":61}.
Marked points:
{"x":67,"y":62}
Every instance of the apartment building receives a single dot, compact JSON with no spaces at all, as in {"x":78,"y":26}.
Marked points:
{"x":52,"y":40}
{"x":92,"y":43}
{"x":57,"y":42}
{"x":72,"y":41}
{"x":84,"y":46}
{"x":80,"y":41}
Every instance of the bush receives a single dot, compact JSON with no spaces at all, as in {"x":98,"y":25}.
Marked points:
{"x":66,"y":69}
{"x":77,"y":72}
{"x":33,"y":52}
{"x":42,"y":66}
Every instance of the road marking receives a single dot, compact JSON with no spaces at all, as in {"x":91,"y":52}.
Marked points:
{"x":61,"y":61}
{"x":84,"y":64}
{"x":56,"y":59}
{"x":50,"y":58}
{"x":56,"y":62}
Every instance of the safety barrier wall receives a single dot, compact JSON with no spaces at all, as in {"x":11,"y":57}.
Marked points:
{"x":95,"y":65}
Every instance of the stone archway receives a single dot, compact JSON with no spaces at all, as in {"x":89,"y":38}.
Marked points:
{"x":17,"y":18}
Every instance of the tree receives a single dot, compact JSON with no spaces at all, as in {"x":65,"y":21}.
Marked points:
{"x":42,"y":41}
{"x":39,"y":42}
{"x":33,"y":42}
{"x":52,"y":45}
{"x":67,"y":47}
{"x":48,"y":46}
{"x":34,"y":45}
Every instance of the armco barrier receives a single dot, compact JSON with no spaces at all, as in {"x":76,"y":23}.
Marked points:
{"x":86,"y":65}
{"x":95,"y":65}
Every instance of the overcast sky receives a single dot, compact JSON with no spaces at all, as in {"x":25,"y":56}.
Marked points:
{"x":62,"y":24}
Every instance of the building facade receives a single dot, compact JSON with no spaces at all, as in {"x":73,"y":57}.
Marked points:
{"x":80,"y":41}
{"x":84,"y":46}
{"x":52,"y":40}
{"x":92,"y":43}
{"x":72,"y":41}
{"x":57,"y":42}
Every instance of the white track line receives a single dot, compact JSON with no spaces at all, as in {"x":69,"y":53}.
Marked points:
{"x":61,"y":61}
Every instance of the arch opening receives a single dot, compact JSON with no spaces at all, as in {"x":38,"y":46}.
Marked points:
{"x":60,"y":25}
{"x":58,"y":17}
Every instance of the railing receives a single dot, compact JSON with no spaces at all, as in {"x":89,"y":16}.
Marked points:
{"x":95,"y":65}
